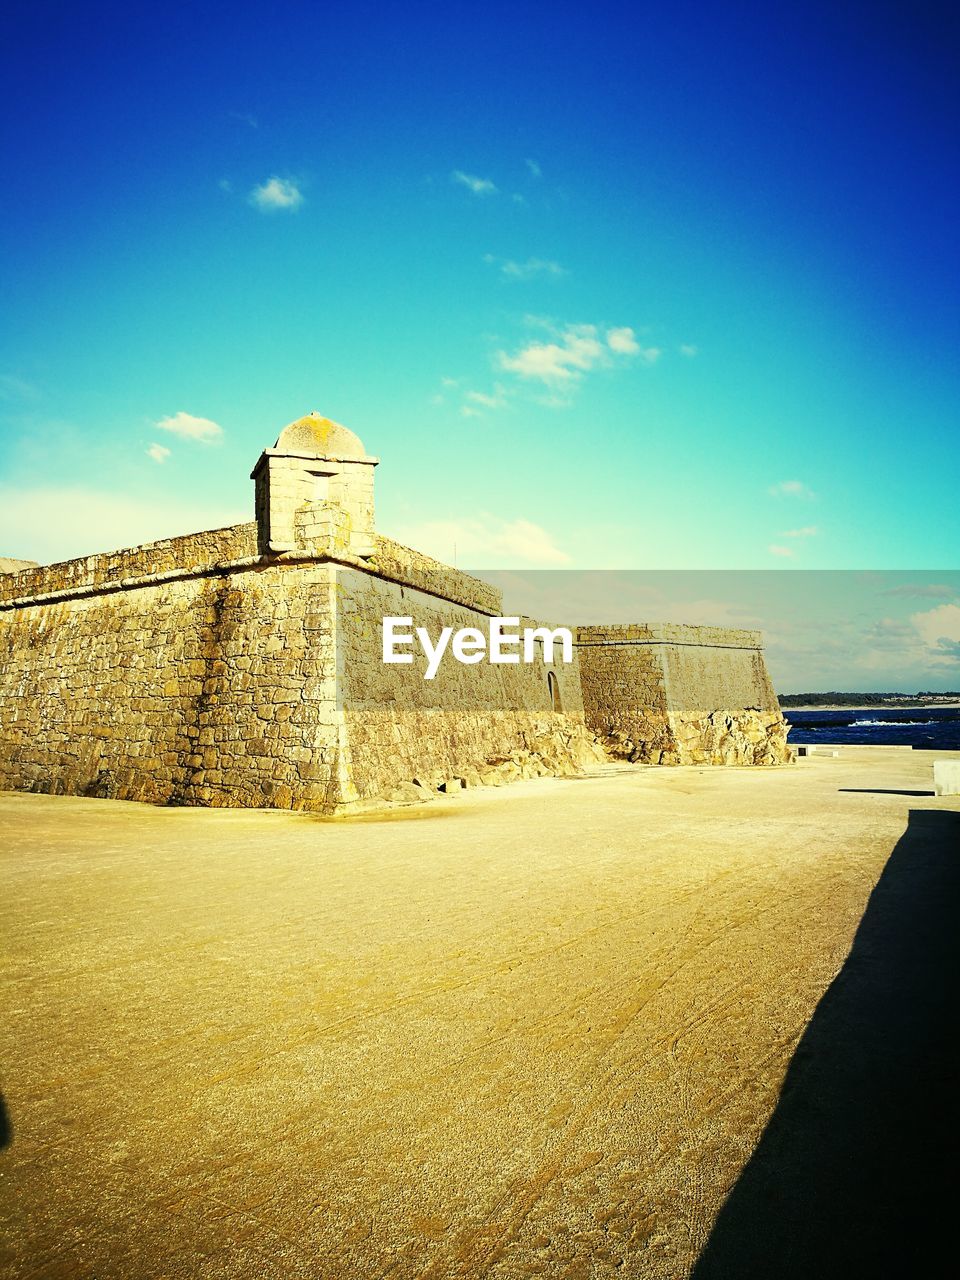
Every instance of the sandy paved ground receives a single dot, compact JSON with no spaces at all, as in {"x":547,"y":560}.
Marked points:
{"x":533,"y":1031}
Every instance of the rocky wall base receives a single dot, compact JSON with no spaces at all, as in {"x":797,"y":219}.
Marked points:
{"x":715,"y":738}
{"x":531,"y":747}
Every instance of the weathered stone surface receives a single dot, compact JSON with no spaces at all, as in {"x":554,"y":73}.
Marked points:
{"x":946,"y":777}
{"x":671,"y":694}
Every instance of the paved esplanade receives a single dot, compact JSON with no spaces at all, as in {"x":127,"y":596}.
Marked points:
{"x":521,"y":1032}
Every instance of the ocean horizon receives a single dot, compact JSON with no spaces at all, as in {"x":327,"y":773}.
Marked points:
{"x":924,"y":728}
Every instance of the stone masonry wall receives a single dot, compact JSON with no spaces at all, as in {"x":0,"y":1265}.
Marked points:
{"x":204,"y":688}
{"x":195,"y":671}
{"x":475,"y":723}
{"x":624,"y":696}
{"x":112,"y":569}
{"x":671,"y":694}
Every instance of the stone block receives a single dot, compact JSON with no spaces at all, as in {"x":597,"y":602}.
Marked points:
{"x":946,"y":777}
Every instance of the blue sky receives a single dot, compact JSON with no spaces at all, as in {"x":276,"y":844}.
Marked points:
{"x":607,"y":286}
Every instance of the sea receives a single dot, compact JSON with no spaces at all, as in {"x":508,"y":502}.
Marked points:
{"x":925,"y":728}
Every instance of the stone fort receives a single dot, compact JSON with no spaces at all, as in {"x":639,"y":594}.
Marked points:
{"x":243,"y":666}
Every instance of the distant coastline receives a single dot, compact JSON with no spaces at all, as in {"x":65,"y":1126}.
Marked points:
{"x":869,"y":706}
{"x":835,"y":701}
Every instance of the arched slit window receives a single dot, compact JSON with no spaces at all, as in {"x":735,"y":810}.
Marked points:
{"x":554,"y":686}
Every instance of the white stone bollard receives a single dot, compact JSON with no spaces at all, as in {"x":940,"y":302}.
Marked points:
{"x":946,"y":777}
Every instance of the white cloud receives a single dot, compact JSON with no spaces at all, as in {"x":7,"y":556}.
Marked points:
{"x":276,"y":193}
{"x":563,"y":361}
{"x":688,"y":349}
{"x":534,"y":168}
{"x":577,"y":349}
{"x":496,"y":401}
{"x":791,"y":489}
{"x":158,"y":452}
{"x":623,"y":340}
{"x":479,"y":186}
{"x":529,"y":269}
{"x":939,"y":628}
{"x":188,"y":427}
{"x":485,"y":541}
{"x":808,"y":531}
{"x":63,"y":522}
{"x":780,"y":551}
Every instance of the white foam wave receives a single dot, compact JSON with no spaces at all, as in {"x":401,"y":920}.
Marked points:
{"x":885,"y":724}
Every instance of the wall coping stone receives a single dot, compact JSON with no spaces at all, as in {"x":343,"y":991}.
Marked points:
{"x":391,"y":561}
{"x":671,"y":633}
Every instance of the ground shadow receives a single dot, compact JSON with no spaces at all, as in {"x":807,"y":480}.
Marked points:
{"x":854,"y":1174}
{"x":6,"y":1128}
{"x":883,"y":791}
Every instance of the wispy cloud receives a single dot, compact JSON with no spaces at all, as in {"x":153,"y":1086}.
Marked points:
{"x":479,"y":186}
{"x":780,"y":551}
{"x":791,"y":489}
{"x":495,"y":401}
{"x":526,"y":270}
{"x":14,"y":388}
{"x":246,"y":118}
{"x":475,"y":402}
{"x":808,"y":531}
{"x":689,"y":350}
{"x":534,"y":168}
{"x":158,"y":452}
{"x":577,"y":349}
{"x":277,"y":194}
{"x":624,"y":342}
{"x":485,"y":540}
{"x":189,"y":427}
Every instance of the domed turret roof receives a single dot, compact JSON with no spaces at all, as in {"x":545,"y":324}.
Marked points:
{"x":315,"y":434}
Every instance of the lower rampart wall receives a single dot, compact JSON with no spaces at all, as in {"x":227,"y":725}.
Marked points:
{"x":672,"y":694}
{"x":481,"y":722}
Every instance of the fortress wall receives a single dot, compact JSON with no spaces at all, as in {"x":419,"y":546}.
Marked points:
{"x":192,"y":672}
{"x":414,"y":569}
{"x":673,"y":694}
{"x":468,"y":719}
{"x":704,"y":677}
{"x":623,"y":690}
{"x":212,"y":689}
{"x":212,"y":547}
